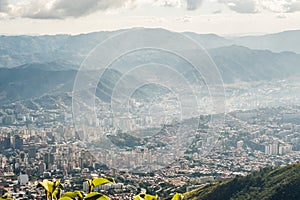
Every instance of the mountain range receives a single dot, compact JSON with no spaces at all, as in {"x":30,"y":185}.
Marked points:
{"x":32,"y":66}
{"x":70,"y":50}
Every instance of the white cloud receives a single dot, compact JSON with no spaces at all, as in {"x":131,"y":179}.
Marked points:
{"x":294,"y":6}
{"x":60,"y":9}
{"x":276,"y":6}
{"x":71,"y":8}
{"x":244,"y":6}
{"x":57,"y":9}
{"x":254,"y":6}
{"x":166,"y":3}
{"x":3,"y":6}
{"x":193,"y":4}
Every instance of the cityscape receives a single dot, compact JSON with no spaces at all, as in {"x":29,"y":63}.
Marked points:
{"x":149,"y":100}
{"x":39,"y":142}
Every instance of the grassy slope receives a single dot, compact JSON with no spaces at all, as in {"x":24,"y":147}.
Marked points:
{"x":268,"y":184}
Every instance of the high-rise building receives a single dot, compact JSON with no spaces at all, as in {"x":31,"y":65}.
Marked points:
{"x":23,"y":179}
{"x":240,"y":144}
{"x":48,"y":159}
{"x":275,"y":148}
{"x":272,"y":149}
{"x":18,"y":142}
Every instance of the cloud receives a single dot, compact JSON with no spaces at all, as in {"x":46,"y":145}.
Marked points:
{"x":193,"y":4}
{"x":241,"y":6}
{"x":188,"y":4}
{"x":59,"y":9}
{"x":74,"y":8}
{"x":254,"y":6}
{"x":166,"y":3}
{"x":3,"y":6}
{"x":78,"y":7}
{"x":293,"y":7}
{"x":280,"y":6}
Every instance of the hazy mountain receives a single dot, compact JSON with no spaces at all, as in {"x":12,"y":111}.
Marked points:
{"x":278,"y":42}
{"x":209,"y":40}
{"x":72,"y":49}
{"x":65,"y":49}
{"x":238,"y":63}
{"x":19,"y":50}
{"x":268,"y":184}
{"x":234,"y":62}
{"x":29,"y":82}
{"x":33,"y":81}
{"x":48,"y":64}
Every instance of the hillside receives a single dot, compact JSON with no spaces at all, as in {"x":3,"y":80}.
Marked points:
{"x":71,"y":50}
{"x":268,"y":184}
{"x":235,"y":63}
{"x":26,"y":82}
{"x":277,"y":42}
{"x":33,"y":66}
{"x":244,"y":64}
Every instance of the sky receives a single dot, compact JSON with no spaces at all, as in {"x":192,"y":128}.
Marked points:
{"x":223,"y":17}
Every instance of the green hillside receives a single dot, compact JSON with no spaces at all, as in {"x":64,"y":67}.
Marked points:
{"x":268,"y":184}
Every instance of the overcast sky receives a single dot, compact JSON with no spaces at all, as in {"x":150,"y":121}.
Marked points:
{"x":224,"y":17}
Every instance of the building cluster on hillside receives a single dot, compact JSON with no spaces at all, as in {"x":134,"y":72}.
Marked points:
{"x":38,"y":143}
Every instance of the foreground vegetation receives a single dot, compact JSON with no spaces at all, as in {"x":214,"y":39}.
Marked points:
{"x":53,"y":191}
{"x":268,"y":184}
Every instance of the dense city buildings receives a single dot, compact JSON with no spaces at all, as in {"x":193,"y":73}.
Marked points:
{"x":42,"y":143}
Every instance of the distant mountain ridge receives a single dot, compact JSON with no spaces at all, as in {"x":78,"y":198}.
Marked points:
{"x":209,"y":41}
{"x":48,"y":66}
{"x":72,"y":49}
{"x":276,"y":42}
{"x":268,"y":184}
{"x":32,"y":66}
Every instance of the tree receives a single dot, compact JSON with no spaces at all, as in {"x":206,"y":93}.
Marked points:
{"x":96,"y":196}
{"x":78,"y":195}
{"x":145,"y":197}
{"x":52,"y":189}
{"x":177,"y":196}
{"x":92,"y":183}
{"x":66,"y":198}
{"x":5,"y":197}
